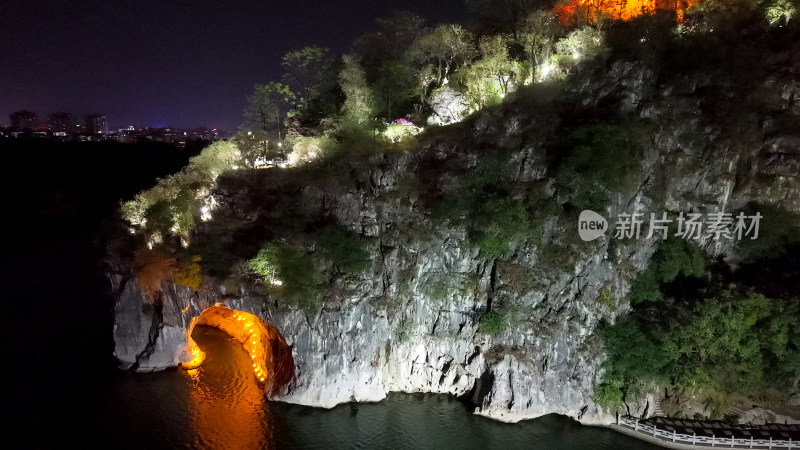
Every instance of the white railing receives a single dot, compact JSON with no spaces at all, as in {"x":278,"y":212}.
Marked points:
{"x":713,"y":441}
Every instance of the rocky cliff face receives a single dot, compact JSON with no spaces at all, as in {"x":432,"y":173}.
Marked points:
{"x":411,"y":323}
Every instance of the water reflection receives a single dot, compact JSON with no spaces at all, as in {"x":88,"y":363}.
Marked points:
{"x":227,"y":408}
{"x":220,"y":405}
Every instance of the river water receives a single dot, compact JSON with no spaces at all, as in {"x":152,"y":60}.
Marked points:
{"x":219,"y":405}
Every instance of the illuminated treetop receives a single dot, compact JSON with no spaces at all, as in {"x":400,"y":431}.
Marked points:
{"x":587,"y":11}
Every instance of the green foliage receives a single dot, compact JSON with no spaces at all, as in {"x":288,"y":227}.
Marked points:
{"x":265,"y":263}
{"x":780,"y":11}
{"x":214,"y":160}
{"x":486,"y":81}
{"x":447,"y":47}
{"x":738,"y":342}
{"x":291,"y":273}
{"x":537,"y":31}
{"x":493,"y":218}
{"x":492,"y":322}
{"x":607,"y":299}
{"x":635,"y":350}
{"x":608,"y":392}
{"x":344,"y":248}
{"x":399,"y":133}
{"x":675,"y":257}
{"x":395,"y":87}
{"x":600,"y":158}
{"x":267,"y":106}
{"x":583,"y":43}
{"x":722,"y":342}
{"x":170,"y":207}
{"x":305,"y":69}
{"x":496,"y":222}
{"x":307,"y":148}
{"x":359,"y":103}
{"x":175,"y":215}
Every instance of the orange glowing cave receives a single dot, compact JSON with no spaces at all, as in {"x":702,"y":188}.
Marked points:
{"x":577,"y":11}
{"x":273,"y":364}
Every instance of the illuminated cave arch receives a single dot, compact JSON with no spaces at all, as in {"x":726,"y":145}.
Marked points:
{"x":273,"y":364}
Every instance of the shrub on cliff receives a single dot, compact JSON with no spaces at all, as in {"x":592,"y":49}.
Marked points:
{"x":600,"y":158}
{"x":675,"y":257}
{"x":290,"y":274}
{"x":344,"y":248}
{"x":735,"y":342}
{"x":171,"y":206}
{"x":496,"y":223}
{"x":190,"y":275}
{"x":492,"y":323}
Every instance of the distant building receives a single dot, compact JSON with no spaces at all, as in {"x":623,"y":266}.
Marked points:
{"x":96,"y":124}
{"x":24,"y":120}
{"x":60,"y":122}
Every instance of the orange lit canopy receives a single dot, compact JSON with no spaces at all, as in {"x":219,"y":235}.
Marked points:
{"x":588,"y":10}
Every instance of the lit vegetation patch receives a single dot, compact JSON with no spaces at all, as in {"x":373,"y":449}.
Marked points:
{"x":174,"y":204}
{"x":734,"y":342}
{"x":191,"y":276}
{"x":290,"y":273}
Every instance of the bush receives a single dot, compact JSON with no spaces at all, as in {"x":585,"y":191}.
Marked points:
{"x":607,"y":299}
{"x":265,"y":263}
{"x":190,"y":275}
{"x":737,"y":342}
{"x":581,"y":44}
{"x":675,"y":257}
{"x":600,"y":158}
{"x":400,"y":131}
{"x":308,"y":148}
{"x":492,"y":323}
{"x":171,"y":205}
{"x":496,"y":223}
{"x":344,"y":248}
{"x":608,"y":392}
{"x":291,"y":273}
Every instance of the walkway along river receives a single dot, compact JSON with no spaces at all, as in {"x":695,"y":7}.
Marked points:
{"x":712,"y":433}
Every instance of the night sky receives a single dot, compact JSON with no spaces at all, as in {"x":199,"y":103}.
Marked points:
{"x":169,"y":63}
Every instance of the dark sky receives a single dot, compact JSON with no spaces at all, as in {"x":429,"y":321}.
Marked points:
{"x":170,"y":62}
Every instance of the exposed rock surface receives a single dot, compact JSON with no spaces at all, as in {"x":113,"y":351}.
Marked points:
{"x":386,"y":331}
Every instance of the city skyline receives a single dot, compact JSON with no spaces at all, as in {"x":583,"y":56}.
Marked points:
{"x":67,"y":121}
{"x":188,"y":66}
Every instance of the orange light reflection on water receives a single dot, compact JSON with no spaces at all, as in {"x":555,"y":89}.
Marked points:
{"x":227,"y":406}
